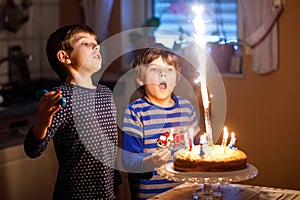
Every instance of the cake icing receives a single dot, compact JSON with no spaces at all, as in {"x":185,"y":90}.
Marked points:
{"x":217,"y":158}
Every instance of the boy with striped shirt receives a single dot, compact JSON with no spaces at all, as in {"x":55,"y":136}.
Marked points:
{"x":158,"y":111}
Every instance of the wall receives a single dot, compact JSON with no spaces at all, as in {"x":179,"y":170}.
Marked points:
{"x":264,"y":109}
{"x":43,"y":19}
{"x":22,"y":177}
{"x":25,"y":178}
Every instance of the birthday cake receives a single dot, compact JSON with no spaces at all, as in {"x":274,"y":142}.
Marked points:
{"x":214,"y":158}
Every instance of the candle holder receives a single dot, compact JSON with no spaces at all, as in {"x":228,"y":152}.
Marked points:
{"x":206,"y":179}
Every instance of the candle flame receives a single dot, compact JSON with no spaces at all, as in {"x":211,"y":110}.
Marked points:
{"x":199,"y":24}
{"x":225,"y":136}
{"x":232,"y":135}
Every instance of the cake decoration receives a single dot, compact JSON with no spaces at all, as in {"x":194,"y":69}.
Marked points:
{"x":174,"y":140}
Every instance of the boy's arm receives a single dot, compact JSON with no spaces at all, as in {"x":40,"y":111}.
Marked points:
{"x":32,"y":147}
{"x":135,"y":159}
{"x":36,"y":142}
{"x":132,"y":152}
{"x":138,"y":162}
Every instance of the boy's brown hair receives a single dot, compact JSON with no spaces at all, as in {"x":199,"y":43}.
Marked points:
{"x":60,"y":40}
{"x":146,"y":56}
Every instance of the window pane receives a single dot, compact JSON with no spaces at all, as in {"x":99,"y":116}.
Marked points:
{"x":220,"y":19}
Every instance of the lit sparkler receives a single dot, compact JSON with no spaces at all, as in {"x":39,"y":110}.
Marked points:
{"x":199,"y":24}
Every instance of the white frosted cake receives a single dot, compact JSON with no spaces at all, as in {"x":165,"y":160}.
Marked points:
{"x":216,"y":158}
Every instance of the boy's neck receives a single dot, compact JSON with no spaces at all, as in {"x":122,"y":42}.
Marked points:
{"x":165,"y":103}
{"x":82,"y":82}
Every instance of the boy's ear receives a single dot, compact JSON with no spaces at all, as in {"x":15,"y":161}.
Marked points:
{"x":139,"y":81}
{"x":63,"y":57}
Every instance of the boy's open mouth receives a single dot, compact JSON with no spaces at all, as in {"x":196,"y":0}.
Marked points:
{"x":163,"y":85}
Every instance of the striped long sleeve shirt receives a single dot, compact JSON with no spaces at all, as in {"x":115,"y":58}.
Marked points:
{"x":143,"y":124}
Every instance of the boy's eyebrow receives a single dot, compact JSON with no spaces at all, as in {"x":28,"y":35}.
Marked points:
{"x":166,"y":65}
{"x":83,"y":37}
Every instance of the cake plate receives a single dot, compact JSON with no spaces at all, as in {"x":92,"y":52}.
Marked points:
{"x":207,"y":179}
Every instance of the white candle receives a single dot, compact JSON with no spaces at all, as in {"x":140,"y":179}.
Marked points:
{"x":232,"y":140}
{"x":203,"y":139}
{"x":202,"y":142}
{"x":186,"y":140}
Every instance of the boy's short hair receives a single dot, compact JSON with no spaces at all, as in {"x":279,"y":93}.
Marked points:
{"x":59,"y":40}
{"x":146,"y":56}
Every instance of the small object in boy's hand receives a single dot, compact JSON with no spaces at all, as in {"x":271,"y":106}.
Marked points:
{"x":61,"y":102}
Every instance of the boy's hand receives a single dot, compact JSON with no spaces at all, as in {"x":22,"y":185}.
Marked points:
{"x":46,"y":111}
{"x":160,"y":156}
{"x":157,"y":159}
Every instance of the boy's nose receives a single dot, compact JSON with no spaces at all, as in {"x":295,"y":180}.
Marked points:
{"x":162,"y":73}
{"x":97,"y":48}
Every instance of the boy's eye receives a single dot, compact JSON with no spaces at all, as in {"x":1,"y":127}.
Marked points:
{"x":153,"y":69}
{"x":170,"y":69}
{"x":85,"y":44}
{"x":90,"y":44}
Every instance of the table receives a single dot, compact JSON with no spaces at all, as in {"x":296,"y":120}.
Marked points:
{"x":231,"y":192}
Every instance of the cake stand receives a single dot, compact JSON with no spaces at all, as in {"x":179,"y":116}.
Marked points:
{"x":207,"y":178}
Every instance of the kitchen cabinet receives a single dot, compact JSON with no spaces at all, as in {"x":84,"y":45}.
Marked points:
{"x":25,"y":178}
{"x":15,"y":121}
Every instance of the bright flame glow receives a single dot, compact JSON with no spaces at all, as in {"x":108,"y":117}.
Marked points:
{"x":199,"y":24}
{"x":225,"y":136}
{"x":204,"y":93}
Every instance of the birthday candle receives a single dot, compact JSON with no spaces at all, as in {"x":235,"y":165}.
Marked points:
{"x":186,"y":140}
{"x":203,"y":139}
{"x":232,"y":140}
{"x":191,"y":138}
{"x":225,"y":136}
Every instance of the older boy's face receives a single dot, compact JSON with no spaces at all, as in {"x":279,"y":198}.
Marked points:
{"x":159,"y":80}
{"x":85,"y":55}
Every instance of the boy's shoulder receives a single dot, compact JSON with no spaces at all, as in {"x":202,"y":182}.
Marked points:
{"x":103,"y":88}
{"x":69,"y":87}
{"x":137,"y":102}
{"x":63,"y":87}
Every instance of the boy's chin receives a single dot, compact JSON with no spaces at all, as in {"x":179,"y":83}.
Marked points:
{"x":97,"y":65}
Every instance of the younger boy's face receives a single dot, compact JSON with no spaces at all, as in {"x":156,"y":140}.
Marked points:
{"x":159,"y":81}
{"x":85,"y":55}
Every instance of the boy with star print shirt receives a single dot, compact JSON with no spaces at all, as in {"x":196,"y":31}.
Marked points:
{"x":84,"y":131}
{"x":147,"y":118}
